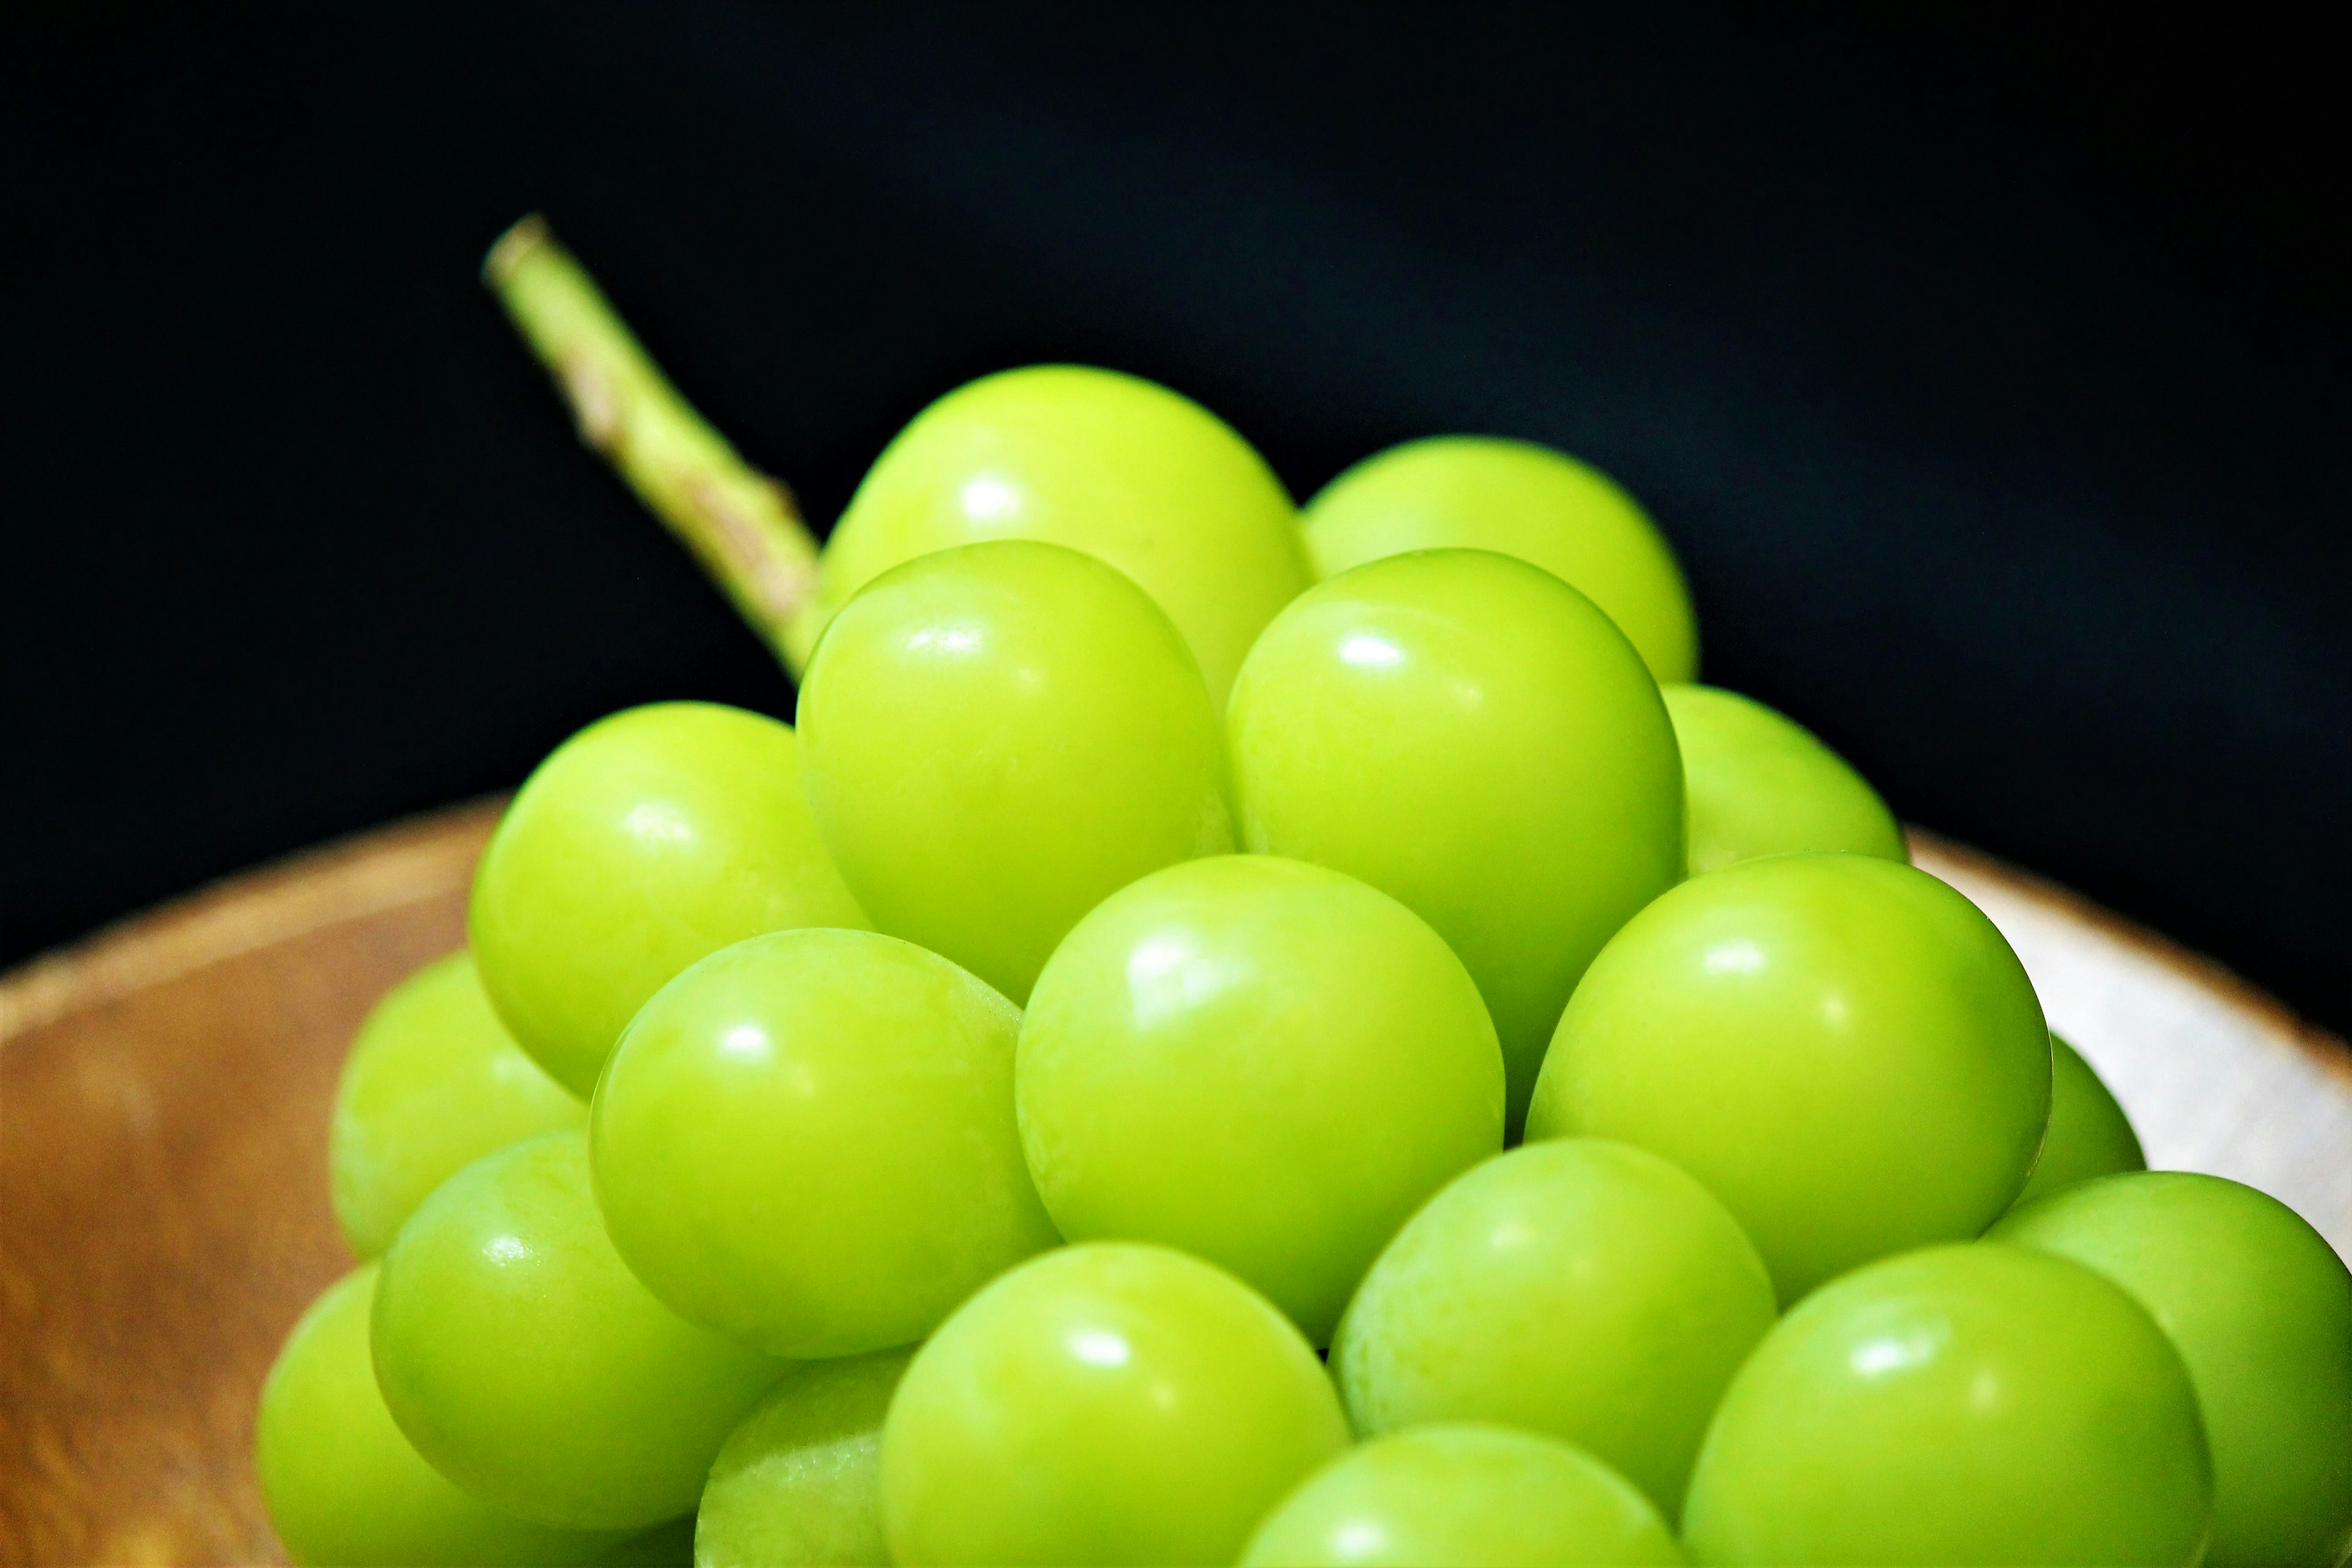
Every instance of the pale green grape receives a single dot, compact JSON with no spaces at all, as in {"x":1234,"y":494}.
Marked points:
{"x":1102,"y":462}
{"x":806,"y":1140}
{"x":1264,"y":1063}
{"x":1842,"y":1048}
{"x":345,"y":1487}
{"x":1460,"y":1495}
{"x":1580,"y":1288}
{"x":1106,"y":1403}
{"x":1469,"y":735}
{"x":801,"y":1481}
{"x":997,"y":738}
{"x":649,"y":839}
{"x":1760,"y":783}
{"x":2089,"y":1134}
{"x":2260,"y":1308}
{"x":433,"y":1083}
{"x":1971,"y":1403}
{"x":526,"y":1363}
{"x":1517,"y":499}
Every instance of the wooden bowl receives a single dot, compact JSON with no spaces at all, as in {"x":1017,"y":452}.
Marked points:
{"x":164,"y":1097}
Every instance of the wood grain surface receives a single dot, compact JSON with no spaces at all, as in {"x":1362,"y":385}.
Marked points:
{"x":163,"y":1098}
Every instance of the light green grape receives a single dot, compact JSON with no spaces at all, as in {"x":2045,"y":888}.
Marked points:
{"x":1107,"y":1403}
{"x":1460,"y":1495}
{"x":1760,"y":783}
{"x":1842,"y":1048}
{"x":433,"y":1083}
{"x":1264,"y":1063}
{"x":2260,"y":1308}
{"x":1580,"y":1288}
{"x":649,"y":839}
{"x":999,"y":737}
{"x":801,"y":1481}
{"x":1970,"y":1403}
{"x":2089,"y":1134}
{"x":526,"y":1363}
{"x":345,"y":1487}
{"x":1102,"y":462}
{"x":1517,"y":499}
{"x":1469,"y":735}
{"x":806,"y":1141}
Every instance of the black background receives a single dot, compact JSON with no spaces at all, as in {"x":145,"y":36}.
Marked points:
{"x":1987,"y":369}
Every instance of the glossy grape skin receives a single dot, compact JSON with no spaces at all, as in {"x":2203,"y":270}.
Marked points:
{"x":1468,"y":734}
{"x":1518,"y":498}
{"x":1968,"y":1404}
{"x":1110,"y":464}
{"x":1459,"y":1493}
{"x":806,"y":1141}
{"x":801,"y":1479}
{"x":1265,"y":1063}
{"x":1843,"y":1049}
{"x":527,"y":1365}
{"x":1580,"y":1288}
{"x":997,"y":738}
{"x":651,"y":837}
{"x":1106,"y":1403}
{"x":1758,"y":782}
{"x":344,"y":1487}
{"x":433,"y":1082}
{"x":2260,"y":1308}
{"x":2088,"y":1135}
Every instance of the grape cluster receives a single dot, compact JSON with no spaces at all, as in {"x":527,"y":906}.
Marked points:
{"x":1183,"y":938}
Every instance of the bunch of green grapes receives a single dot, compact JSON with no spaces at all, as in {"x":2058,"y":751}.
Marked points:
{"x":948,"y":1132}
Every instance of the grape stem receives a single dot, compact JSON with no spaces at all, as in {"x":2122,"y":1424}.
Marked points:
{"x":741,"y":525}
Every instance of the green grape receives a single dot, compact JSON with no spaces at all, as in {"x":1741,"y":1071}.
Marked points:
{"x":801,"y":1481}
{"x":1265,"y":1063}
{"x":433,"y":1083}
{"x":649,"y":839}
{"x":1106,"y":1403}
{"x":1000,"y":736}
{"x":1760,"y":783}
{"x":1469,"y":735}
{"x":2260,"y":1308}
{"x":526,"y":1363}
{"x":1968,"y":1404}
{"x":806,"y":1141}
{"x":2088,"y":1136}
{"x":1463,"y":1494}
{"x":1843,"y":1049}
{"x":1517,"y":499}
{"x":1583,"y":1288}
{"x":1110,"y":463}
{"x":345,"y":1487}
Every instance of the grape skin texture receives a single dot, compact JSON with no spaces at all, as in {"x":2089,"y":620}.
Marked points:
{"x":1471,"y":736}
{"x":1110,"y":464}
{"x":1758,"y":782}
{"x":2260,"y":1308}
{"x":527,"y":1365}
{"x":1583,"y":1288}
{"x":1107,"y":1403}
{"x":806,"y":1141}
{"x":1962,"y":1403}
{"x":1000,"y":736}
{"x":649,"y":839}
{"x":1515,"y":497}
{"x":2089,"y":1134}
{"x":344,"y":1487}
{"x":433,"y":1082}
{"x":1843,"y":1049}
{"x":1460,"y":1493}
{"x":1268,"y":1064}
{"x":801,"y":1481}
